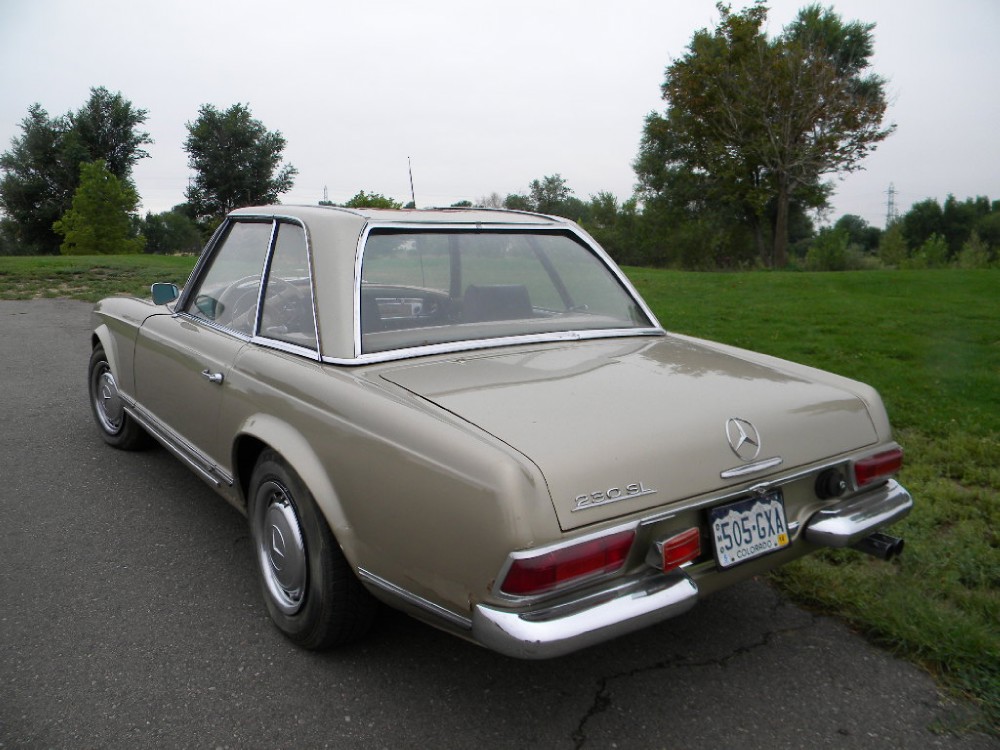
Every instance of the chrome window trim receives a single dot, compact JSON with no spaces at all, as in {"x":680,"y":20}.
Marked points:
{"x":188,"y":317}
{"x":194,"y":279}
{"x":549,"y":225}
{"x":265,"y":273}
{"x":275,"y":343}
{"x":470,"y":345}
{"x":284,"y":346}
{"x":180,"y":306}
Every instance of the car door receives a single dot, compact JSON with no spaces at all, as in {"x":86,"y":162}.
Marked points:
{"x":183,"y":361}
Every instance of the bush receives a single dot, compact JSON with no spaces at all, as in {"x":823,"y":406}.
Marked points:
{"x":975,"y":253}
{"x":932,"y":254}
{"x":832,"y":251}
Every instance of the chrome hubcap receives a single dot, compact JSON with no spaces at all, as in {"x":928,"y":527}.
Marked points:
{"x":107,"y":402}
{"x":282,"y":550}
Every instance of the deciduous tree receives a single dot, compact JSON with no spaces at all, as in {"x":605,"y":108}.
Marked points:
{"x":760,"y":121}
{"x":371,"y":200}
{"x":41,"y":171}
{"x":172,"y":231}
{"x":237,"y":162}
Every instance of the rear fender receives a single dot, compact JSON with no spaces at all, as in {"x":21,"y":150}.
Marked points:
{"x":298,"y":454}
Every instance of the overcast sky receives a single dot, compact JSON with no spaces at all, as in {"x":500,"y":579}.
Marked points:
{"x":483,"y":97}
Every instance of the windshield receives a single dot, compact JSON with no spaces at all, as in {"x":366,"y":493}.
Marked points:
{"x":420,"y":288}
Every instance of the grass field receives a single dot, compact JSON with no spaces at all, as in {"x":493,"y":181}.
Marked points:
{"x":928,"y":340}
{"x":88,"y":278}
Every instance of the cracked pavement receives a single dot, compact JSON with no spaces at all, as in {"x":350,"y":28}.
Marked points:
{"x":130,"y":616}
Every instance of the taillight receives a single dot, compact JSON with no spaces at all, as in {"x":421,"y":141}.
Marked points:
{"x":536,"y":575}
{"x":880,"y":466}
{"x":679,"y":549}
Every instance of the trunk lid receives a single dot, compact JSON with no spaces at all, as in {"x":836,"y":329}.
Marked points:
{"x":622,"y":425}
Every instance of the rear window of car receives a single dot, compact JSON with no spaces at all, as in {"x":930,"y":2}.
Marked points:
{"x":421,"y":288}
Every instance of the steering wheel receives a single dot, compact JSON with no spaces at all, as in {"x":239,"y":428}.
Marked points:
{"x":282,"y":302}
{"x":236,"y":300}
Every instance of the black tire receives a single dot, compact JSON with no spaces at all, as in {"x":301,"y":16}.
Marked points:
{"x":308,"y":586}
{"x":115,"y":425}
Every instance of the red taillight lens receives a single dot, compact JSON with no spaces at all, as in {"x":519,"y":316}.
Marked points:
{"x":535,"y":575}
{"x":680,"y":548}
{"x":879,"y":466}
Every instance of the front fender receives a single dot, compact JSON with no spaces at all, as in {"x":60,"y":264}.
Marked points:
{"x":116,"y":322}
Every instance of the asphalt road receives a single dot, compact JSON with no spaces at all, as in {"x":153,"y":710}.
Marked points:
{"x":129,"y":616}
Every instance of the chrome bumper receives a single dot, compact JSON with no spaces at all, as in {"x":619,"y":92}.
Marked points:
{"x":560,"y":629}
{"x":846,"y":523}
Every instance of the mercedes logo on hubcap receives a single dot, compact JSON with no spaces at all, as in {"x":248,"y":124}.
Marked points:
{"x":743,"y":438}
{"x":277,"y":548}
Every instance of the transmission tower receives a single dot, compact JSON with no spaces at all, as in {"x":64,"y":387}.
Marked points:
{"x":891,"y":214}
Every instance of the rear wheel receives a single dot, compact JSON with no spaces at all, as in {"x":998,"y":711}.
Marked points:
{"x":310,"y":590}
{"x":115,"y":425}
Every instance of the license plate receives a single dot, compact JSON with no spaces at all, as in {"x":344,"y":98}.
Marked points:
{"x":748,"y":528}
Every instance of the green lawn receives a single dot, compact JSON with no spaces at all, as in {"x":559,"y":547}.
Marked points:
{"x":88,"y":278}
{"x":928,"y":340}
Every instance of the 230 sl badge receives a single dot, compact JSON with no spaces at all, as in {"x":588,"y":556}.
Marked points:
{"x":612,"y":495}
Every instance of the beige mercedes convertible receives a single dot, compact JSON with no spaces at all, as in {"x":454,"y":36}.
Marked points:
{"x":472,"y":416}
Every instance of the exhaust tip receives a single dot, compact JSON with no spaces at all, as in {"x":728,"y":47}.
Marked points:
{"x":882,"y":546}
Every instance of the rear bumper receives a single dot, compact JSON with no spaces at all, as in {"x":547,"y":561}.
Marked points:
{"x":846,"y":523}
{"x":561,"y":629}
{"x":638,"y":603}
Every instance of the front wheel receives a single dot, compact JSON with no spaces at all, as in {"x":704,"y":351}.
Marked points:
{"x":116,"y":426}
{"x":310,"y":590}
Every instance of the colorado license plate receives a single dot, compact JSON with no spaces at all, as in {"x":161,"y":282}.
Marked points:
{"x":748,"y":528}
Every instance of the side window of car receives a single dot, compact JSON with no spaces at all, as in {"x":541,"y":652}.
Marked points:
{"x":287,"y":313}
{"x":227,"y":291}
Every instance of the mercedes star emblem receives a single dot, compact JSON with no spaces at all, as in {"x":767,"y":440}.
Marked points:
{"x":743,"y":438}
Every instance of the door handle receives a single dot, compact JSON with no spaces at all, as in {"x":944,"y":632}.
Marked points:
{"x":213,"y":377}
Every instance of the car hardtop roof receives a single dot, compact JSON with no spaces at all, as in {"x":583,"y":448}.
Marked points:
{"x":403,"y":216}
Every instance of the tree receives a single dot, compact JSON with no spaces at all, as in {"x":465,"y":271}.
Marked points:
{"x":172,"y":231}
{"x":830,"y":251}
{"x":758,"y":122}
{"x":614,"y":226}
{"x":34,"y":190}
{"x":41,"y":171}
{"x":237,"y":162}
{"x":99,"y":221}
{"x":371,"y":200}
{"x":517,"y":202}
{"x":549,"y":194}
{"x":892,"y":247}
{"x":859,"y":232}
{"x":105,"y":128}
{"x":988,"y":227}
{"x":493,"y":200}
{"x":932,"y":254}
{"x":924,"y":219}
{"x":975,"y":253}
